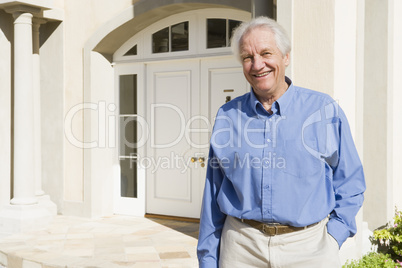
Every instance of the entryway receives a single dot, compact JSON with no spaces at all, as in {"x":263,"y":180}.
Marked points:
{"x":172,"y":140}
{"x":168,"y":100}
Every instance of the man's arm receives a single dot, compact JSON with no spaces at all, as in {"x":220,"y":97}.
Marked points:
{"x":348,"y":181}
{"x":212,"y":219}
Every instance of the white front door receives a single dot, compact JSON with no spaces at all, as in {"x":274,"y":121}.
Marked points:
{"x":183,"y":98}
{"x":173,"y":181}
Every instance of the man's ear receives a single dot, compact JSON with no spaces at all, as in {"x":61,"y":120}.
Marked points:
{"x":287,"y":59}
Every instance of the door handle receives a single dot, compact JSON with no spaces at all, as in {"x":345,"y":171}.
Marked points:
{"x":198,"y":159}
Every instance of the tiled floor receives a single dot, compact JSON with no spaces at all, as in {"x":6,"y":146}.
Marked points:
{"x":116,"y":241}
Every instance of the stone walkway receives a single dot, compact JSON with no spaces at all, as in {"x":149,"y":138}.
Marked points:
{"x":109,"y":242}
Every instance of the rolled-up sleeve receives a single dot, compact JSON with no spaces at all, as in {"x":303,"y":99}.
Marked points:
{"x":212,"y":219}
{"x":348,"y":183}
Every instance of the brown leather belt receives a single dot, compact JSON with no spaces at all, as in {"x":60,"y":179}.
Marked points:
{"x":272,"y":229}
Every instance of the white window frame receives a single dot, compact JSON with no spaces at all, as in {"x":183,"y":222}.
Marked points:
{"x":128,"y":205}
{"x":197,"y":36}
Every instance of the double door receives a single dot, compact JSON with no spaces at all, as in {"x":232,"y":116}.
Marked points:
{"x":182,"y":98}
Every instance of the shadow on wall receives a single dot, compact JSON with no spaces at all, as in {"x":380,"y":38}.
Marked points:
{"x":47,"y":29}
{"x":6,"y":25}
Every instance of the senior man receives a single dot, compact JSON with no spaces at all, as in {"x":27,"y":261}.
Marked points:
{"x":284,"y":180}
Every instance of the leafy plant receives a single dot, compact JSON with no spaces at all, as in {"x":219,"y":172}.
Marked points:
{"x":372,"y":260}
{"x":388,"y":240}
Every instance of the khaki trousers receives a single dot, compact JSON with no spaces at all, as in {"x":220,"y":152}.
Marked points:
{"x":244,"y":246}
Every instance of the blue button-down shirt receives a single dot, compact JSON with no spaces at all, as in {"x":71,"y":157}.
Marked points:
{"x":295,"y":166}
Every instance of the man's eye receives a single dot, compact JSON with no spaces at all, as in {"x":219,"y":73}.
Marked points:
{"x":247,"y":58}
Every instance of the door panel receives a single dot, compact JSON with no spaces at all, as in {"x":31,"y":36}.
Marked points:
{"x":173,"y":181}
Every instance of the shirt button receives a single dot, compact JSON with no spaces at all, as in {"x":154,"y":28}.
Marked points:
{"x":268,"y":140}
{"x":266,"y":186}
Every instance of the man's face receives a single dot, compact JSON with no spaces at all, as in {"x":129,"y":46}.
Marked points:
{"x":263,"y":63}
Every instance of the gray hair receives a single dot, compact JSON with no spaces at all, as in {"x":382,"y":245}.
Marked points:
{"x":281,"y":39}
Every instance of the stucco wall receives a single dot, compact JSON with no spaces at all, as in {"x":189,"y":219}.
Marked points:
{"x":52,"y":110}
{"x":313,"y":44}
{"x":82,"y":20}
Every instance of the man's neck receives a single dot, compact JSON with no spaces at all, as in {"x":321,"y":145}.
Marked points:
{"x":268,"y":100}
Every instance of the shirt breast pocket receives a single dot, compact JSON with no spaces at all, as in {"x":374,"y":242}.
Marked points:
{"x":302,"y":159}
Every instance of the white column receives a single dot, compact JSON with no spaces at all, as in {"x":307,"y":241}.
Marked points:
{"x":37,"y":108}
{"x":24,"y":184}
{"x":25,"y":212}
{"x":394,"y":94}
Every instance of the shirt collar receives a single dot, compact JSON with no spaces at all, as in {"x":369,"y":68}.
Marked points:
{"x":280,"y":105}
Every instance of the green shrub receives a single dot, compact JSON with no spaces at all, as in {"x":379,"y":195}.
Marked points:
{"x":388,"y":241}
{"x":389,"y":238}
{"x":372,"y":260}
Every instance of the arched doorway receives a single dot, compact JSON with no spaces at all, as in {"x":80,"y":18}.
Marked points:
{"x":170,"y":80}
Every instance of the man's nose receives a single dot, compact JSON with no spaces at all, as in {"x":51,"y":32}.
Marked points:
{"x":258,"y":63}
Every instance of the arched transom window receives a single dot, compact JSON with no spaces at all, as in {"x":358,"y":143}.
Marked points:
{"x":193,"y":33}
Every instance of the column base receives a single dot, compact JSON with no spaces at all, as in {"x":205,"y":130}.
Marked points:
{"x":44,"y":200}
{"x":24,"y":218}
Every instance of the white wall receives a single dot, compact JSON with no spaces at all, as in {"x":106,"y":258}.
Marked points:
{"x":313,"y":44}
{"x":82,"y":20}
{"x":6,"y":30}
{"x":52,"y":112}
{"x":104,"y":131}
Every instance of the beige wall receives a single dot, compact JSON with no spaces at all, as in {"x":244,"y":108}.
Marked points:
{"x":52,"y":112}
{"x":82,"y":20}
{"x":313,"y":44}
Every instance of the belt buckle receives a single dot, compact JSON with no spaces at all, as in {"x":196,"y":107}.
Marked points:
{"x":275,"y":225}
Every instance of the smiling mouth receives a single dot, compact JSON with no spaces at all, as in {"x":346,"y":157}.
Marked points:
{"x":262,"y":74}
